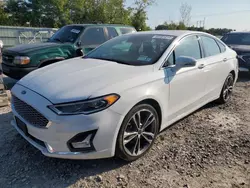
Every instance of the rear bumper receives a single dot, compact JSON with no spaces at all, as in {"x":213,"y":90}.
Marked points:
{"x":16,"y":72}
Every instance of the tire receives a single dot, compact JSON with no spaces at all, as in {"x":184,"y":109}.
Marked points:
{"x":228,"y":89}
{"x":135,"y":140}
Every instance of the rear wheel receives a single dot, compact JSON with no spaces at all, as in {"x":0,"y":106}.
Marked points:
{"x":227,"y":89}
{"x":138,"y":132}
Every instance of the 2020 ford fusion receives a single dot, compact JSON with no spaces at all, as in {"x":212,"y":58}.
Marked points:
{"x":116,"y":99}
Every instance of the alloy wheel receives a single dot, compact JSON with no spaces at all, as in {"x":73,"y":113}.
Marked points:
{"x":228,"y":88}
{"x":140,"y":132}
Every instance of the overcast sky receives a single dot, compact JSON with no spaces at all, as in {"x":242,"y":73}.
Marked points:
{"x":234,"y":14}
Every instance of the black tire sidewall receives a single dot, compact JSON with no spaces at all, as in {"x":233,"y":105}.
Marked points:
{"x":221,"y":99}
{"x":120,"y":151}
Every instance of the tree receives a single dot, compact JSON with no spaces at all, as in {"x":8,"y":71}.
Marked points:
{"x":19,"y":12}
{"x":181,"y":26}
{"x":4,"y":18}
{"x":161,"y":27}
{"x":139,"y":14}
{"x":57,"y":13}
{"x":185,"y":13}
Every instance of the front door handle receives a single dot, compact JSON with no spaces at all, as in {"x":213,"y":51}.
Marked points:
{"x":201,"y":66}
{"x":225,"y":59}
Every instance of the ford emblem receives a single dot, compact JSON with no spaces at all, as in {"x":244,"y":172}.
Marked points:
{"x":23,"y":92}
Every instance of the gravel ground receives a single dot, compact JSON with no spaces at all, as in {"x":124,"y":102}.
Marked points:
{"x":210,"y":148}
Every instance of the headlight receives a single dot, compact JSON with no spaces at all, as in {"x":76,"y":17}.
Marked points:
{"x":21,"y":60}
{"x":85,"y":107}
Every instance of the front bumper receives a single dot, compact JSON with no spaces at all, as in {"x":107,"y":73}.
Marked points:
{"x":244,"y":63}
{"x":16,"y":72}
{"x":61,"y":129}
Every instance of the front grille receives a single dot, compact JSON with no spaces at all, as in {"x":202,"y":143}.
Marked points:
{"x":246,"y":58}
{"x":8,"y":59}
{"x":28,"y":113}
{"x":22,"y":127}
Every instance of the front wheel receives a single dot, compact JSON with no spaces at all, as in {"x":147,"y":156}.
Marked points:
{"x":137,"y":133}
{"x":227,"y":89}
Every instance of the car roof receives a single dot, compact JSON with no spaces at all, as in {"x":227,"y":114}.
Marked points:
{"x":175,"y":33}
{"x":104,"y":25}
{"x":239,"y":32}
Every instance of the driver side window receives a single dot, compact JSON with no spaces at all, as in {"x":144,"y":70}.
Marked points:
{"x":189,"y":47}
{"x":93,"y":36}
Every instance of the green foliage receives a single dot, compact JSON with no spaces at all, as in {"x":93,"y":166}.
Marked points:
{"x":56,"y":13}
{"x":139,"y":14}
{"x":181,"y":26}
{"x":3,"y":16}
{"x":171,"y":26}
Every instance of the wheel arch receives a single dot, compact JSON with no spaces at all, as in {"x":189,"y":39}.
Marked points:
{"x":147,"y":100}
{"x":234,"y":74}
{"x":49,"y":61}
{"x":154,"y":103}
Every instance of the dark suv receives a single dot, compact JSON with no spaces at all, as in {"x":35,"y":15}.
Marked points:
{"x":68,"y":42}
{"x":3,"y":95}
{"x":240,"y":42}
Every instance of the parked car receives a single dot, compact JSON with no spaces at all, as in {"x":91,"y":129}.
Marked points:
{"x":3,"y":95}
{"x":68,"y":42}
{"x":116,"y":99}
{"x":240,"y":42}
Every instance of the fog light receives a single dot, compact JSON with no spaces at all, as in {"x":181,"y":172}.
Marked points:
{"x":83,"y":144}
{"x":49,"y":147}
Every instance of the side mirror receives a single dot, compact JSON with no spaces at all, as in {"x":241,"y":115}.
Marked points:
{"x":79,"y":52}
{"x":184,"y":61}
{"x":78,"y":44}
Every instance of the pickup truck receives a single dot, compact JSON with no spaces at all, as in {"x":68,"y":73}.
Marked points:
{"x":68,"y":42}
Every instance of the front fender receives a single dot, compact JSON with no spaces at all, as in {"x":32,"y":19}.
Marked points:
{"x":157,"y":90}
{"x":55,"y":53}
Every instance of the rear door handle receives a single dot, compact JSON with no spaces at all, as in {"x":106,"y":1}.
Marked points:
{"x":201,"y":66}
{"x":225,"y":59}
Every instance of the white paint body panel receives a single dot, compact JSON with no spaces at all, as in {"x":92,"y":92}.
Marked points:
{"x":178,"y":92}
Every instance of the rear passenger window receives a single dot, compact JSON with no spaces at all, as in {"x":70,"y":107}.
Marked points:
{"x":222,"y":46}
{"x":210,"y":46}
{"x":127,"y":30}
{"x":112,"y":32}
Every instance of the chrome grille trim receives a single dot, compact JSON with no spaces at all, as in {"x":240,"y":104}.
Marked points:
{"x":28,"y":113}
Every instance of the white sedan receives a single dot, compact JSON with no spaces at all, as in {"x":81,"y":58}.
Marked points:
{"x":116,"y":99}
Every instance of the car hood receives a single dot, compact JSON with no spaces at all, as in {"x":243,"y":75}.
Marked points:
{"x":79,"y":79}
{"x":28,"y":48}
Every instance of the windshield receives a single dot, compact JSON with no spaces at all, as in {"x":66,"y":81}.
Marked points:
{"x":67,"y":34}
{"x":135,"y":49}
{"x":237,"y":38}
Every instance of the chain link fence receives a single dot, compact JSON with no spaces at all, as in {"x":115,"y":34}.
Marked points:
{"x":12,"y":36}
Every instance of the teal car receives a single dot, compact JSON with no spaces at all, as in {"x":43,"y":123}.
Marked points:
{"x":68,"y":42}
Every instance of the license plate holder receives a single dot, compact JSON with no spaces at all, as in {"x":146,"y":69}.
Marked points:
{"x":22,"y":126}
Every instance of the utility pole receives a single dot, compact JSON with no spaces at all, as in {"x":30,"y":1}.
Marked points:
{"x":204,"y":21}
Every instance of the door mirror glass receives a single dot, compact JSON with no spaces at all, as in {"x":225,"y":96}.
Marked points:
{"x":185,"y":61}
